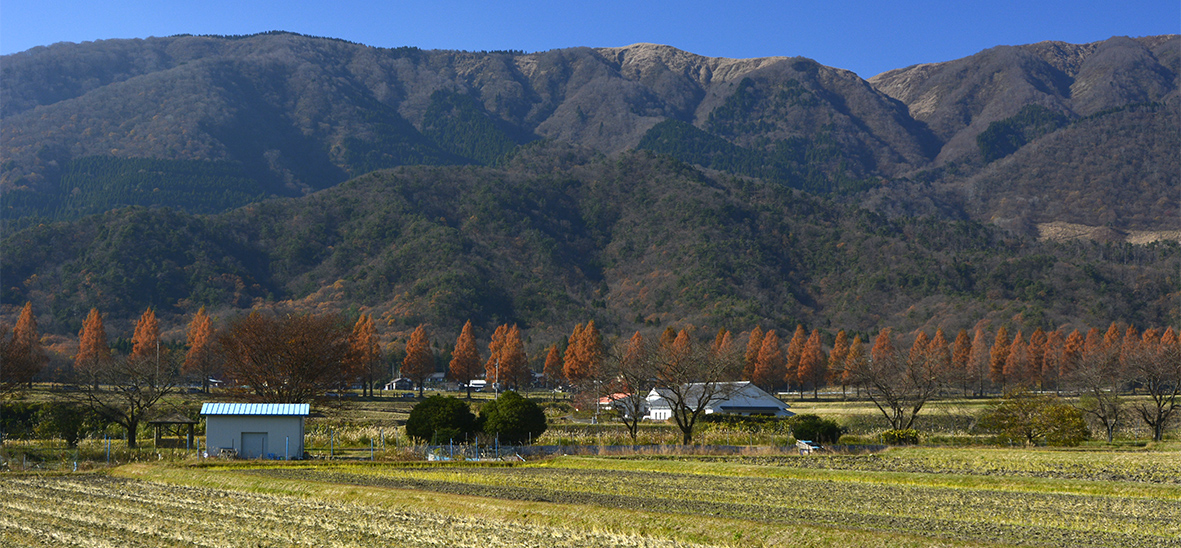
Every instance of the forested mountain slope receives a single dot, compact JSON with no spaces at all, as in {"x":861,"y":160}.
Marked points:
{"x":559,"y":235}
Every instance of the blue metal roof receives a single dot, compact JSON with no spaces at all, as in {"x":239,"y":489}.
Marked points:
{"x":300,"y":409}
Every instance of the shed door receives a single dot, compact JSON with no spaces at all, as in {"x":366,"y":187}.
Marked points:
{"x":254,"y":445}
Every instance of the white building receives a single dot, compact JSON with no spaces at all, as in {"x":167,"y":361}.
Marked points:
{"x":255,"y":430}
{"x":731,"y":398}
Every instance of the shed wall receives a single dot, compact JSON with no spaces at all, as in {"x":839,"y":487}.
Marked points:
{"x":226,"y":431}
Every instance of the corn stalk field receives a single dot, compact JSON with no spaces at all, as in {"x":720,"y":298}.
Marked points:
{"x":902,"y":497}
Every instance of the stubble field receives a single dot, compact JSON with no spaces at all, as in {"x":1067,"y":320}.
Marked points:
{"x":915,"y":497}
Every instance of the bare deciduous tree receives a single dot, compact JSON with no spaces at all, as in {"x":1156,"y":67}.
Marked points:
{"x":692,"y":378}
{"x":285,"y":359}
{"x":898,"y":385}
{"x":127,"y":388}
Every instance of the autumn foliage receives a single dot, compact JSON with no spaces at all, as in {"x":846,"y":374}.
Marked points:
{"x":419,"y":363}
{"x":465,"y":359}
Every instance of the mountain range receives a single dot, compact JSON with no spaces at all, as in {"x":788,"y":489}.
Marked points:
{"x":640,"y":185}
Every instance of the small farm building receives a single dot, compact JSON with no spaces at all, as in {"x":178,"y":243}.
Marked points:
{"x":400,"y":383}
{"x":255,"y":430}
{"x":727,"y":398}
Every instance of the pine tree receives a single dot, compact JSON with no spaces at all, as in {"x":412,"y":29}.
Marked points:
{"x":199,"y":360}
{"x":93,"y":351}
{"x":998,"y":356}
{"x":419,"y":363}
{"x":795,"y":350}
{"x":145,"y":343}
{"x":465,"y":359}
{"x":553,"y":366}
{"x":754,"y":344}
{"x":770,"y":367}
{"x":813,"y":364}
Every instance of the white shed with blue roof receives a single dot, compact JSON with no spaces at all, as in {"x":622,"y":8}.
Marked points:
{"x":255,"y":430}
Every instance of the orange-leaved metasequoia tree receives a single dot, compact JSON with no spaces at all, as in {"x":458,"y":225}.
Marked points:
{"x":514,"y":364}
{"x":997,"y":357}
{"x":754,"y":345}
{"x":836,"y":360}
{"x":419,"y":363}
{"x":1017,"y":362}
{"x":22,"y":356}
{"x":961,"y":353}
{"x":584,"y":354}
{"x":723,"y":342}
{"x":93,"y":351}
{"x":553,"y":367}
{"x":770,"y":365}
{"x":813,"y":365}
{"x":364,"y":353}
{"x":795,"y":351}
{"x":200,"y":359}
{"x":465,"y":359}
{"x":145,"y":343}
{"x":572,"y":369}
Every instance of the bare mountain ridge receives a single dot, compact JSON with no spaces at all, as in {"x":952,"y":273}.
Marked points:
{"x":959,"y":99}
{"x":177,"y":98}
{"x":294,"y":114}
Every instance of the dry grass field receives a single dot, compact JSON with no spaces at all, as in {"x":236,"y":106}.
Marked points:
{"x":901,"y":497}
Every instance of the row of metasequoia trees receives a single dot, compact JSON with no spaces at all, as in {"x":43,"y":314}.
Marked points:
{"x":300,"y":356}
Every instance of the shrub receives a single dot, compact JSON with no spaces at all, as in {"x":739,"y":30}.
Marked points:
{"x":1031,"y":419}
{"x":512,"y":419}
{"x":909,"y":436}
{"x":813,"y":428}
{"x":65,"y":421}
{"x":438,"y":419}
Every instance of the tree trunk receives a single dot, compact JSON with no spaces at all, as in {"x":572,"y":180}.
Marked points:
{"x":132,"y":433}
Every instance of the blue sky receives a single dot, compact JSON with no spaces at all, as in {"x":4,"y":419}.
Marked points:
{"x":866,"y":37}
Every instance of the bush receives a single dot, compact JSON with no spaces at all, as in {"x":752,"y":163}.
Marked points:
{"x":813,"y":428}
{"x":438,"y":419}
{"x":514,"y":420}
{"x":66,"y":421}
{"x":909,"y":436}
{"x":1032,"y":419}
